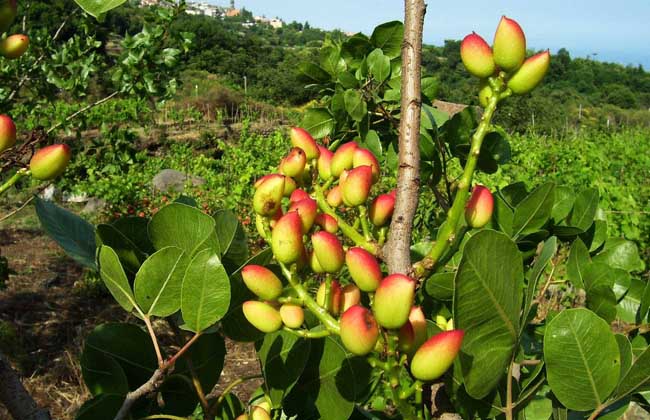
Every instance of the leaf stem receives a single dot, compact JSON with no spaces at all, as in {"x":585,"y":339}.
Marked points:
{"x":15,"y":178}
{"x":229,"y":388}
{"x":308,"y":333}
{"x":183,"y":350}
{"x":154,"y":340}
{"x":509,"y":406}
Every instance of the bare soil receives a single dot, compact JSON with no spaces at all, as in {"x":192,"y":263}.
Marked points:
{"x":48,"y":313}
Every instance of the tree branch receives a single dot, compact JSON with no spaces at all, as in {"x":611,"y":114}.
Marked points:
{"x":397,"y":249}
{"x":148,"y":387}
{"x":15,"y":397}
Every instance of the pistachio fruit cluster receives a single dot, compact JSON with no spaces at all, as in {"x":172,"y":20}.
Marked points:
{"x":11,"y":46}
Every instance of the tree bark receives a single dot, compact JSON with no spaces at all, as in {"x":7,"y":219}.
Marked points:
{"x":15,"y":397}
{"x":397,"y":249}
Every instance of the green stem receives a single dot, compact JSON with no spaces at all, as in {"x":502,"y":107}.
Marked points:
{"x":319,"y":312}
{"x":308,"y":334}
{"x":363,"y":216}
{"x":156,"y":347}
{"x":15,"y":178}
{"x":230,"y":387}
{"x":347,"y":230}
{"x":509,"y":406}
{"x":449,"y":231}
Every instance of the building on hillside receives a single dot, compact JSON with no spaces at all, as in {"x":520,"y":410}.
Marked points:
{"x":233,"y":12}
{"x":145,"y":3}
{"x":275,"y":22}
{"x":204,"y":9}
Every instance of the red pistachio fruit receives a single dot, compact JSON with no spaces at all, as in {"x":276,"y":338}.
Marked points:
{"x":393,"y":301}
{"x":262,"y":281}
{"x":325,"y":163}
{"x":359,"y":330}
{"x":436,"y":355}
{"x":343,"y":158}
{"x":477,"y":56}
{"x":289,"y":186}
{"x":50,"y":162}
{"x":509,"y":46}
{"x":8,"y":11}
{"x":335,"y":197}
{"x":314,"y":264}
{"x":7,"y":132}
{"x":292,"y":315}
{"x":478,"y":211}
{"x":268,"y":195}
{"x":286,"y":238}
{"x":293,"y":164}
{"x":334,"y":304}
{"x":328,"y":251}
{"x":14,"y":46}
{"x":350,"y":296}
{"x":364,"y":157}
{"x":298,"y":195}
{"x":406,"y":338}
{"x":381,"y":209}
{"x":355,"y":185}
{"x":327,"y":223}
{"x":419,"y":323}
{"x":262,"y":316}
{"x":302,"y":139}
{"x":307,"y":210}
{"x":531,"y":73}
{"x":364,"y":269}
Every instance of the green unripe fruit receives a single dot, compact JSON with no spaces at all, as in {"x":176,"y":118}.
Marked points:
{"x":325,"y":163}
{"x":292,"y":315}
{"x":477,"y":56}
{"x":436,"y":355}
{"x":307,"y":210}
{"x":406,"y":338}
{"x":14,"y":46}
{"x":262,"y":281}
{"x":530,"y":74}
{"x":355,"y":185}
{"x":343,"y":158}
{"x":359,"y":330}
{"x":302,"y":139}
{"x":393,"y":301}
{"x":314,"y":264}
{"x":289,"y":186}
{"x":509,"y":46}
{"x":364,"y":157}
{"x":484,"y":93}
{"x":268,"y":195}
{"x":286,"y":238}
{"x":328,"y":251}
{"x":259,"y":413}
{"x":8,"y":11}
{"x":350,"y":296}
{"x":334,"y":197}
{"x":7,"y":133}
{"x":50,"y":162}
{"x":419,"y":323}
{"x":364,"y":269}
{"x":262,"y":316}
{"x":478,"y":211}
{"x":334,"y":304}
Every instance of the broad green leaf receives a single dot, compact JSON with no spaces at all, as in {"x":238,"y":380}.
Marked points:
{"x":430,"y":87}
{"x":388,"y":36}
{"x":625,"y":350}
{"x":182,"y":226}
{"x":311,"y":73}
{"x":564,"y":199}
{"x":637,"y":376}
{"x":205,"y":294}
{"x":372,"y":143}
{"x":102,"y":407}
{"x":578,"y":262}
{"x":179,"y":395}
{"x":540,"y":407}
{"x":630,"y":307}
{"x":487,"y":302}
{"x":159,"y":280}
{"x":602,"y":301}
{"x":644,"y":304}
{"x":514,"y":194}
{"x":331,"y":61}
{"x":548,"y":252}
{"x":439,"y":117}
{"x":355,"y":105}
{"x":348,"y":80}
{"x":232,"y":239}
{"x":622,"y":254}
{"x":102,"y":374}
{"x":582,"y":359}
{"x":441,"y":286}
{"x":283,"y":357}
{"x":503,"y":214}
{"x":114,"y":277}
{"x":96,"y":8}
{"x":230,"y":408}
{"x":584,"y":209}
{"x":355,"y":48}
{"x":495,"y":151}
{"x":599,"y":235}
{"x":319,"y":122}
{"x":378,"y":65}
{"x":126,"y":344}
{"x":207,"y":355}
{"x":534,"y":211}
{"x":75,"y":235}
{"x":130,"y":255}
{"x":135,"y":228}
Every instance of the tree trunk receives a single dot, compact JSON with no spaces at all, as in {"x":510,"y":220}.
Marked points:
{"x":15,"y":397}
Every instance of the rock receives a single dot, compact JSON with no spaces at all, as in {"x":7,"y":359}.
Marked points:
{"x":50,"y":193}
{"x":94,"y":205}
{"x":170,"y":180}
{"x":75,"y":198}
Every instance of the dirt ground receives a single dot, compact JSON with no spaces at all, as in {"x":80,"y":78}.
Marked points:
{"x":50,"y":313}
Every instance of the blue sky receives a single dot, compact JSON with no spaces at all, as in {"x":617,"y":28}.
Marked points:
{"x":615,"y":30}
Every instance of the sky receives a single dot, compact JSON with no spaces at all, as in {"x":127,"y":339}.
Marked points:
{"x":617,"y":31}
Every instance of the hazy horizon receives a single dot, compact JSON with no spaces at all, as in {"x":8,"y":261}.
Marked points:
{"x":586,"y":28}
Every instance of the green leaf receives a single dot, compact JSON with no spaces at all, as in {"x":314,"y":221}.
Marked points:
{"x":372,"y":143}
{"x":127,"y":345}
{"x":584,"y":209}
{"x":111,"y":271}
{"x":637,"y":375}
{"x":622,"y":254}
{"x":540,"y":407}
{"x":503,"y":214}
{"x":355,"y":105}
{"x":378,"y":65}
{"x":319,"y":122}
{"x":630,"y":308}
{"x":582,"y":359}
{"x":430,"y":87}
{"x":388,"y":36}
{"x":158,"y":282}
{"x":487,"y":304}
{"x":625,"y":350}
{"x":548,"y":252}
{"x":96,"y":8}
{"x":231,"y":236}
{"x":283,"y":357}
{"x":564,"y":200}
{"x":578,"y":262}
{"x":71,"y":232}
{"x":102,"y":407}
{"x":179,"y":396}
{"x":602,"y":301}
{"x":495,"y":151}
{"x":311,"y":73}
{"x":181,"y":226}
{"x":230,"y":408}
{"x":102,"y":374}
{"x":207,"y":356}
{"x":534,"y":211}
{"x":205,"y":294}
{"x":135,"y":228}
{"x":130,"y":255}
{"x":331,"y":61}
{"x":441,"y":286}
